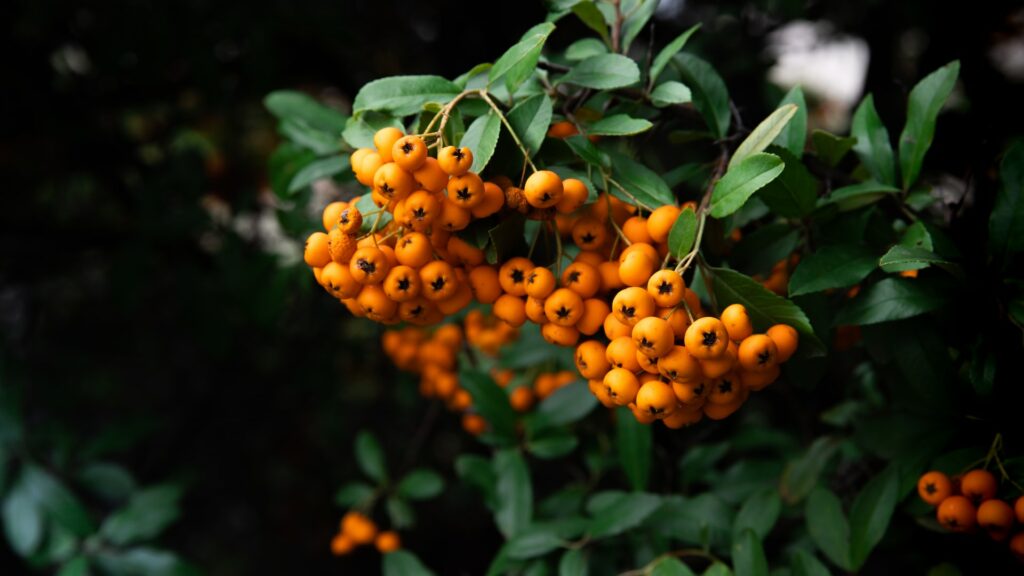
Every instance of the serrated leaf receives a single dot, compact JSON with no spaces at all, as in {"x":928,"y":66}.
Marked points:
{"x":669,"y":566}
{"x":666,"y":54}
{"x":519,"y":61}
{"x":794,"y":194}
{"x":619,"y":125}
{"x":513,"y":493}
{"x":831,"y":149}
{"x":317,"y":170}
{"x":758,"y":513}
{"x":763,"y":134}
{"x":741,"y":181}
{"x":292,"y":105}
{"x":146,"y":515}
{"x":873,"y":146}
{"x":1006,"y":223}
{"x":403,"y":95}
{"x":682,"y":233}
{"x":748,"y":558}
{"x":353,"y":494}
{"x":642,"y":183}
{"x":900,"y":258}
{"x":490,"y":401}
{"x":482,"y":137}
{"x":420,"y":484}
{"x":891,"y":299}
{"x":625,"y":513}
{"x":794,"y":134}
{"x":585,"y":48}
{"x":710,"y":96}
{"x":764,"y":307}
{"x":858,"y":195}
{"x":530,"y":119}
{"x":828,"y":527}
{"x":603,"y":72}
{"x":370,"y":456}
{"x":836,"y":266}
{"x":634,"y":444}
{"x":403,"y":563}
{"x":923,"y":107}
{"x":669,"y":93}
{"x":870,"y":514}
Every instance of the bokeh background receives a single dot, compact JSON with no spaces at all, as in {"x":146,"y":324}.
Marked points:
{"x":154,"y":310}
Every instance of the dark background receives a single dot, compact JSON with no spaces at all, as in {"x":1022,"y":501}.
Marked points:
{"x":136,"y":328}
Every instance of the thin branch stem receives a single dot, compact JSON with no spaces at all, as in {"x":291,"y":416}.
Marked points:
{"x":515,"y":137}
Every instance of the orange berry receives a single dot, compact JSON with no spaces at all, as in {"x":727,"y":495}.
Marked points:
{"x":691,"y":393}
{"x":722,"y":365}
{"x":656,"y":398}
{"x":513,"y":274}
{"x":368,"y":167}
{"x":660,"y":222}
{"x":521,"y":399}
{"x":563,"y":307}
{"x":1018,"y":509}
{"x":758,"y":380}
{"x":560,"y":335}
{"x":474,"y":424}
{"x":647,"y":363}
{"x":453,"y":217}
{"x":387,"y":542}
{"x":384,"y":139}
{"x":392,"y":182}
{"x":467,"y":253}
{"x":438,"y":280}
{"x":722,"y":411}
{"x":581,"y":278}
{"x":1017,"y":545}
{"x":679,"y":366}
{"x":338,"y":280}
{"x":758,"y":353}
{"x":996,"y":517}
{"x":369,"y":265}
{"x":543,"y":189}
{"x":562,"y":129}
{"x":632,"y":304}
{"x":635,"y":230}
{"x":614,"y":329}
{"x":637,"y":268}
{"x":461,"y":298}
{"x":653,"y":336}
{"x":737,"y":322}
{"x":934,"y":487}
{"x":667,"y":288}
{"x":595,"y":311}
{"x":786,"y":339}
{"x":493,"y":198}
{"x":511,"y":309}
{"x":591,"y":360}
{"x":409,"y":152}
{"x":535,"y":310}
{"x":421,"y":209}
{"x":590,"y":257}
{"x":330,"y":214}
{"x":402,"y":284}
{"x":540,"y":282}
{"x":466,"y":190}
{"x":589,"y":233}
{"x":342,"y":545}
{"x":706,"y":338}
{"x":574,"y":196}
{"x":375,"y":303}
{"x":957,"y":513}
{"x":677,"y":319}
{"x":483,"y":281}
{"x":455,"y":161}
{"x":610,"y":279}
{"x":682,"y":417}
{"x":355,"y":159}
{"x":358,"y":527}
{"x":621,"y":353}
{"x":431,"y":176}
{"x":622,"y":386}
{"x":978,"y":485}
{"x":317,"y":251}
{"x":725,"y":390}
{"x":414,"y":250}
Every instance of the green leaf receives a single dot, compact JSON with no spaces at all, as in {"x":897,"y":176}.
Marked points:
{"x":603,"y":72}
{"x":513,"y":493}
{"x":643,"y":183}
{"x":353,"y":494}
{"x":530,"y":120}
{"x":589,"y":14}
{"x":370,"y":456}
{"x":740,"y":182}
{"x":671,"y":92}
{"x":859,"y":195}
{"x":637,"y":12}
{"x":763,"y":134}
{"x":491,"y":401}
{"x":794,"y":194}
{"x":535,"y":541}
{"x":112,"y":482}
{"x":482,"y":137}
{"x":926,"y":100}
{"x":1006,"y":224}
{"x":404,"y":95}
{"x":366,"y":205}
{"x":666,"y":54}
{"x":292,"y":105}
{"x":870,"y":514}
{"x":917,"y":236}
{"x":142,"y":561}
{"x":420,"y":484}
{"x":835,"y":266}
{"x":519,"y":61}
{"x":359,"y":130}
{"x":873,"y":146}
{"x":477,"y":471}
{"x":318,"y":141}
{"x":748,"y":557}
{"x":758,"y":513}
{"x":619,"y":125}
{"x":831,"y":149}
{"x":682,"y":233}
{"x":710,"y":96}
{"x":806,"y":564}
{"x":403,"y":563}
{"x":585,"y":48}
{"x":77,"y":566}
{"x":891,"y":299}
{"x":767,"y":245}
{"x":633,"y":441}
{"x":148,"y":513}
{"x":552,"y":444}
{"x":586,"y":150}
{"x":718,"y":569}
{"x":573,"y":563}
{"x":828,"y":527}
{"x":317,"y":170}
{"x":764,"y":307}
{"x":625,"y":513}
{"x":900,"y":258}
{"x":59,"y":503}
{"x":23,"y":518}
{"x":400,"y":513}
{"x":794,"y":134}
{"x":669,"y":566}
{"x":566,"y":405}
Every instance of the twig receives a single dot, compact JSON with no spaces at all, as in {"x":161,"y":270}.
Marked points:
{"x":515,"y":137}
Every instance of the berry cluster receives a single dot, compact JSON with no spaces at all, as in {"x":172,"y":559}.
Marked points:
{"x":969,"y":502}
{"x":357,"y":529}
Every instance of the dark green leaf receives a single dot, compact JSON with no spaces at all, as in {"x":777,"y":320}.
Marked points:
{"x":530,"y":119}
{"x":586,"y":150}
{"x":478,"y":472}
{"x":142,"y":561}
{"x":682,"y":233}
{"x":625,"y":513}
{"x":291,"y":105}
{"x":564,"y":406}
{"x":109,"y":481}
{"x":718,"y":569}
{"x":482,"y":137}
{"x":669,"y":566}
{"x":585,"y":48}
{"x":870,"y":514}
{"x":794,"y":134}
{"x":603,"y":72}
{"x":666,"y":54}
{"x":59,"y":503}
{"x":633,"y":441}
{"x":552,"y":444}
{"x":573,"y":563}
{"x":642,"y":182}
{"x":400,"y":513}
{"x":926,"y":100}
{"x":353,"y":494}
{"x":514,"y":493}
{"x":900,"y":258}
{"x":891,"y":299}
{"x":763,"y":134}
{"x":534,"y":541}
{"x":741,"y":181}
{"x":760,"y":250}
{"x":710,"y":95}
{"x":859,"y":195}
{"x":828,"y":527}
{"x":873,"y":146}
{"x":917,"y":236}
{"x":519,"y":61}
{"x":619,"y":125}
{"x":765,"y":308}
{"x":490,"y":400}
{"x":1006,"y":224}
{"x":318,"y":141}
{"x":671,"y":92}
{"x":146,"y":515}
{"x":748,"y":557}
{"x":359,"y":130}
{"x":317,"y":170}
{"x":370,"y":456}
{"x":704,"y":520}
{"x":403,"y":95}
{"x":23,"y":518}
{"x":758,"y":513}
{"x":403,"y":563}
{"x":794,"y":193}
{"x":836,"y":266}
{"x":806,"y":564}
{"x":420,"y":484}
{"x":831,"y":148}
{"x":589,"y":14}
{"x":77,"y":566}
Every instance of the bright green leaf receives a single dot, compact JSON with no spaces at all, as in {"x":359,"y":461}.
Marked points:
{"x":763,"y":134}
{"x":603,"y":72}
{"x":891,"y":299}
{"x":359,"y":130}
{"x":835,"y":266}
{"x":710,"y":96}
{"x":669,"y":93}
{"x":370,"y":456}
{"x":482,"y":137}
{"x":477,"y":471}
{"x":320,"y":142}
{"x":589,"y":14}
{"x":926,"y":100}
{"x":585,"y":149}
{"x":77,"y":566}
{"x":633,"y":441}
{"x":519,"y":61}
{"x":873,"y":146}
{"x":291,"y":105}
{"x":420,"y":484}
{"x":900,"y":258}
{"x":642,"y":183}
{"x":318,"y":170}
{"x":141,"y":561}
{"x":717,"y":569}
{"x":682,"y":233}
{"x":619,"y":125}
{"x":638,"y":13}
{"x":585,"y":48}
{"x":60,"y":504}
{"x":666,"y":53}
{"x":112,"y":482}
{"x":794,"y":134}
{"x":530,"y":120}
{"x":403,"y":95}
{"x":552,"y":444}
{"x":741,"y":182}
